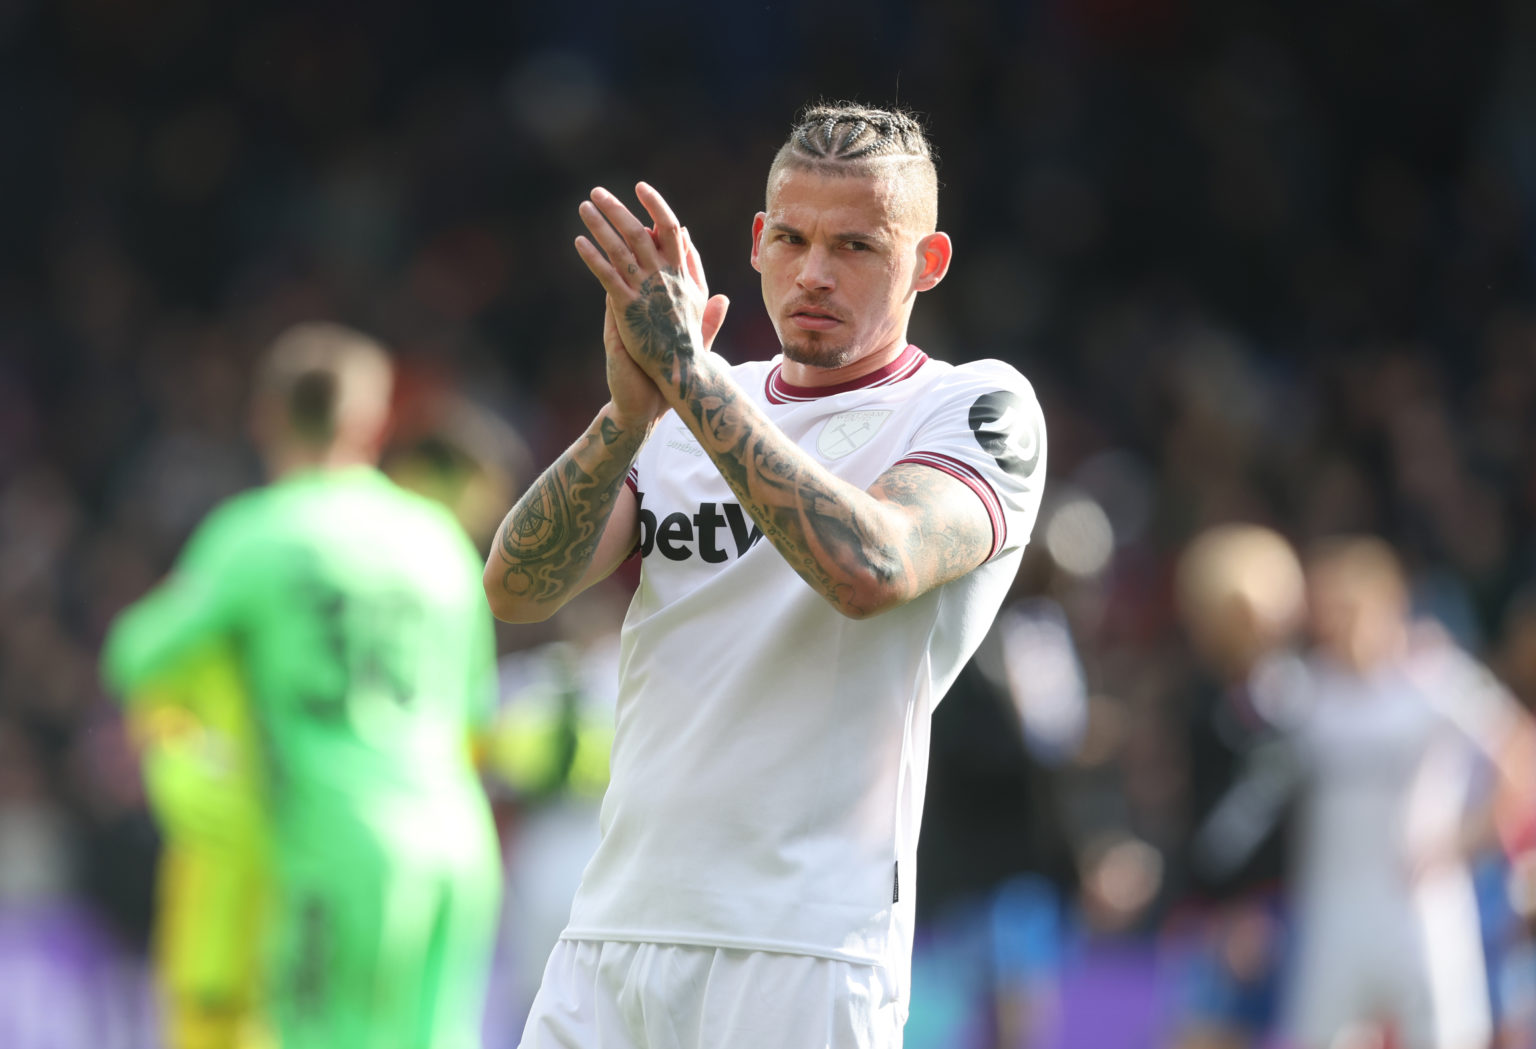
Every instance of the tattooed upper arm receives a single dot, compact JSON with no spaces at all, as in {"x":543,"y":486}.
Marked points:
{"x":950,"y":533}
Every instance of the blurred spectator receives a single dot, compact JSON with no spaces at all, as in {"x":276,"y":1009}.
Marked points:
{"x":1385,"y":723}
{"x":1240,"y":597}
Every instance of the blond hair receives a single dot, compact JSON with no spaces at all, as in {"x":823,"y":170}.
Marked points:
{"x":1245,"y":563}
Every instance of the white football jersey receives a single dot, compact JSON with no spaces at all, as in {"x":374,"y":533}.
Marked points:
{"x":1386,"y":756}
{"x":770,"y":757}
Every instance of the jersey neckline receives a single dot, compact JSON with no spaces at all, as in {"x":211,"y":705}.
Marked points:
{"x":782,"y":391}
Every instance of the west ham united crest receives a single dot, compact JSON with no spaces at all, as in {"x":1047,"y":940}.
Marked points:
{"x":848,"y":431}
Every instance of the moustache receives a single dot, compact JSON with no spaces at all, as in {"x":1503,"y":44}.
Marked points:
{"x":815,"y":305}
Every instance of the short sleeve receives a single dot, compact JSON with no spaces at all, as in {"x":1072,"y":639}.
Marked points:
{"x":986,"y":430}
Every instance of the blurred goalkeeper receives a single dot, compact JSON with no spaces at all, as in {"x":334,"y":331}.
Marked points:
{"x":353,"y":615}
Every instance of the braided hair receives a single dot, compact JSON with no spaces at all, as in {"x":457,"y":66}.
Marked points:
{"x":850,"y":132}
{"x":846,"y":139}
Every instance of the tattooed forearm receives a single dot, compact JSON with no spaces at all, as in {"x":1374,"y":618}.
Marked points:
{"x":863,"y":551}
{"x":547,"y":542}
{"x":812,"y":518}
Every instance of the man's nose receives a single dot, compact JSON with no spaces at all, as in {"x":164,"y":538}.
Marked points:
{"x":816,"y":270}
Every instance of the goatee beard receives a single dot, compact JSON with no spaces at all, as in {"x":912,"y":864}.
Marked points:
{"x":817,"y":356}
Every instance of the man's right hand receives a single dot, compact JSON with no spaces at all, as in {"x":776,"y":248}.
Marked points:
{"x":637,"y":403}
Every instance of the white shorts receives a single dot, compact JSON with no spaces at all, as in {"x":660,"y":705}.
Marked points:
{"x":613,"y":995}
{"x":1420,"y":962}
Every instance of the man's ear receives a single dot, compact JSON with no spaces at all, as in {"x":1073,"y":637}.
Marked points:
{"x":933,"y":255}
{"x":757,"y":239}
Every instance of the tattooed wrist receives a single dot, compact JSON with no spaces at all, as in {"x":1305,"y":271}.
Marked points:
{"x":660,"y":324}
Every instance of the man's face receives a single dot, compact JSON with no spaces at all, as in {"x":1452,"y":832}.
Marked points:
{"x":1338,"y":608}
{"x":1355,"y":616}
{"x":839,"y":265}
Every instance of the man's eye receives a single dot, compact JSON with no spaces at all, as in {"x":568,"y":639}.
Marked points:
{"x":856,"y":245}
{"x":792,"y":238}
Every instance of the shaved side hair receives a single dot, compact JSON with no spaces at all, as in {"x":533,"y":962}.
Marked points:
{"x":845,"y":139}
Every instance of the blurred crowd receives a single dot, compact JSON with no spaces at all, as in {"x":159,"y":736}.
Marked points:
{"x":1264,"y":262}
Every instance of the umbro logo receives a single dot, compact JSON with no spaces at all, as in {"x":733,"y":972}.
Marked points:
{"x":691,"y":448}
{"x":685,"y":442}
{"x":678,"y":536}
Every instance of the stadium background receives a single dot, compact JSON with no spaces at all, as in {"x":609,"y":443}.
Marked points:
{"x":1263,"y":261}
